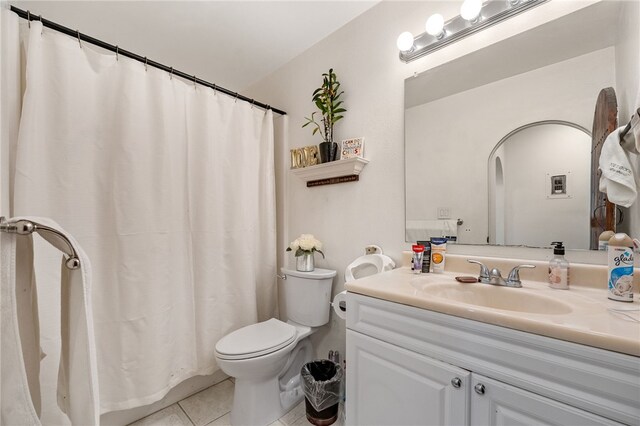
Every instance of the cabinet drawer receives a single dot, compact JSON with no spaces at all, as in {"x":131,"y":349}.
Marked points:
{"x":602,"y":382}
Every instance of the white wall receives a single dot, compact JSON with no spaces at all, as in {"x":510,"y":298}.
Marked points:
{"x":451,"y":138}
{"x":363,"y":53}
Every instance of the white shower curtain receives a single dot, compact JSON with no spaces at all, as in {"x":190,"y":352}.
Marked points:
{"x":169,"y":187}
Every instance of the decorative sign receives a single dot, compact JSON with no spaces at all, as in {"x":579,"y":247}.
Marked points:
{"x":303,"y":157}
{"x":334,"y":180}
{"x":352,"y":148}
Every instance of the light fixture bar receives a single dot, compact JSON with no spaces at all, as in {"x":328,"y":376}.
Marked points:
{"x":457,"y":28}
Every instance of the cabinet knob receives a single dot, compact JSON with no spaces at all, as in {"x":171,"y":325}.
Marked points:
{"x":479,"y":388}
{"x":456,"y":382}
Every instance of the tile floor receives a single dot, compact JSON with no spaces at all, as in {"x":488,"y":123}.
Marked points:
{"x":212,"y":407}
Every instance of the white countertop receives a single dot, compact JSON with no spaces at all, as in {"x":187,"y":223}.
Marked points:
{"x":589,"y":320}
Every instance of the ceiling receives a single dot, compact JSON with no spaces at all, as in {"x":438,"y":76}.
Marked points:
{"x":230,"y":43}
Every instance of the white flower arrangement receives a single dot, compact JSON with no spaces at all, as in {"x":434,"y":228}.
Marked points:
{"x":305,"y":244}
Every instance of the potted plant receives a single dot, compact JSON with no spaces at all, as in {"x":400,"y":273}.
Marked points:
{"x":327,"y":99}
{"x":303,"y":247}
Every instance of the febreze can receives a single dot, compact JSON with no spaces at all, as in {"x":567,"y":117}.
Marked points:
{"x":620,"y":277}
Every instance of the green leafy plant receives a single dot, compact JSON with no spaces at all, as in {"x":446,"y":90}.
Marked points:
{"x":327,"y":99}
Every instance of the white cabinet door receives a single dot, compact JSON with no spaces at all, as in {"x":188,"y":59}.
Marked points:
{"x":388,"y":385}
{"x":496,"y":403}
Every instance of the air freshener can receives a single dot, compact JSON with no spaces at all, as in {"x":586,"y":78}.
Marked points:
{"x":620,"y":277}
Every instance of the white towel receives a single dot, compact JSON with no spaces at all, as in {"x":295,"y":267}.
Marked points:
{"x":635,"y":130}
{"x":78,"y":393}
{"x":618,"y":179}
{"x":19,"y":366}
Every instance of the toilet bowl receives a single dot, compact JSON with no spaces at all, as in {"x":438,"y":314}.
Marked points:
{"x":266,"y":358}
{"x":368,"y":264}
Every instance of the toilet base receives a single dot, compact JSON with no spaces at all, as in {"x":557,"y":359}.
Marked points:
{"x":259,"y":401}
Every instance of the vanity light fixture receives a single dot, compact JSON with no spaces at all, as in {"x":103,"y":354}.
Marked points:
{"x":474,"y":16}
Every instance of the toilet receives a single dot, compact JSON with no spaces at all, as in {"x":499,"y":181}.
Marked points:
{"x":266,"y":358}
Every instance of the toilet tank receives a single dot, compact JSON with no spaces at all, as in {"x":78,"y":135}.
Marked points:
{"x":307,"y":295}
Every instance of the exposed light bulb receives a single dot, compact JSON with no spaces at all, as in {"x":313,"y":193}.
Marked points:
{"x":435,"y":25}
{"x":405,"y":41}
{"x":470,"y":9}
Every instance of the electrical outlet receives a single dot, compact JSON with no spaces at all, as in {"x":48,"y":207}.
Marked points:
{"x":444,"y":213}
{"x":372,"y":249}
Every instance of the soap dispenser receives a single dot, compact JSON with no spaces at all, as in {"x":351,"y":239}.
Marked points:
{"x":558,"y":268}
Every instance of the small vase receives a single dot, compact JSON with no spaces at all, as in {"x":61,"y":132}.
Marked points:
{"x":304,"y":263}
{"x":328,"y":151}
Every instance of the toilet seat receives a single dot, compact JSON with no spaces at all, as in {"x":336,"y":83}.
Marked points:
{"x":256,"y":340}
{"x":380,"y":262}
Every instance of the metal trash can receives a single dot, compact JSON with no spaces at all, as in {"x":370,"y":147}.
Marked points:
{"x":321,"y":383}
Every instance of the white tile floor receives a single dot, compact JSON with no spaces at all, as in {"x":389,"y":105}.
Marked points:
{"x":211,"y":407}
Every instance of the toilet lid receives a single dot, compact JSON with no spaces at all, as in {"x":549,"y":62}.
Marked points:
{"x":256,"y":340}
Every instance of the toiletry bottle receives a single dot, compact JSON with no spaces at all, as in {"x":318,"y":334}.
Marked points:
{"x":438,"y":251}
{"x":620,"y":277}
{"x":426,"y":257}
{"x":416,"y":262}
{"x":558,"y":268}
{"x":603,"y":239}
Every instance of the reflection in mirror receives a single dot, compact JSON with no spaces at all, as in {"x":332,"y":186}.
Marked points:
{"x":457,"y":115}
{"x":540,"y":173}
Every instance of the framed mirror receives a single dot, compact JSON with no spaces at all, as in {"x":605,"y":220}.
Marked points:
{"x":497,"y":146}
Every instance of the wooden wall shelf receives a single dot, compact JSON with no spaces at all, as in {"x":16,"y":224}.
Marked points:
{"x":339,"y":171}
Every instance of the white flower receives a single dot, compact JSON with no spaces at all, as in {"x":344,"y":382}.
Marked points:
{"x":305,"y":243}
{"x":308,"y":242}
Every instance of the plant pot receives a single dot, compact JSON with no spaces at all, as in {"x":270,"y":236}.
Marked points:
{"x":328,"y":151}
{"x":305,"y":263}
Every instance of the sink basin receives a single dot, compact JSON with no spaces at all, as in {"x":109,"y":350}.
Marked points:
{"x":509,"y":299}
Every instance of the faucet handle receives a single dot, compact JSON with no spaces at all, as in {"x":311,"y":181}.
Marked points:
{"x":484,"y":271}
{"x":514,"y":276}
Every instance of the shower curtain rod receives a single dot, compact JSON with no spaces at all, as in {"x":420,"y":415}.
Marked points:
{"x":118,"y":51}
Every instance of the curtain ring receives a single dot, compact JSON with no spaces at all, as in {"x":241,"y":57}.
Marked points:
{"x":79,"y":41}
{"x":29,"y":18}
{"x":42,"y":30}
{"x":145,"y":64}
{"x":253,"y":101}
{"x":194,"y":81}
{"x":215,"y":91}
{"x":236,"y":100}
{"x":171,"y":74}
{"x":117,"y":53}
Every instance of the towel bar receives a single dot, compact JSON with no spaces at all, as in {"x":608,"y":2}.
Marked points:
{"x":26,"y":227}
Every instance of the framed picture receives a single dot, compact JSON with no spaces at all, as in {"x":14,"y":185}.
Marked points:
{"x":352,"y":148}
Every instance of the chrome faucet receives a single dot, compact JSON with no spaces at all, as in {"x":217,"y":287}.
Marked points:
{"x":494,"y":276}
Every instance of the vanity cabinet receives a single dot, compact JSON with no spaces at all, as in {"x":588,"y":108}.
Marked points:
{"x":410,"y":366}
{"x":394,"y":386}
